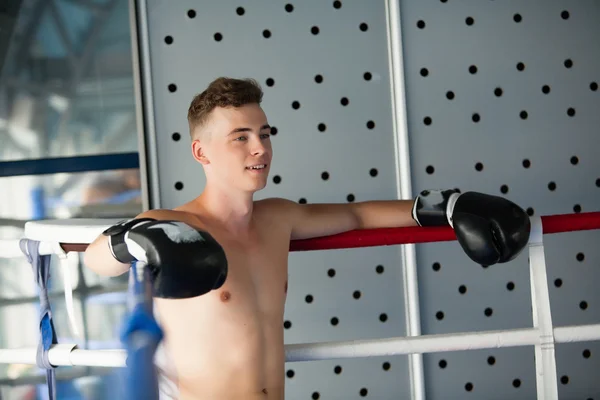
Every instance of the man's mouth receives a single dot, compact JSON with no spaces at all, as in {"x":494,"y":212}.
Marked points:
{"x":257,"y":167}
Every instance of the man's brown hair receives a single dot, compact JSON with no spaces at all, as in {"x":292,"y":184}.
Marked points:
{"x":222,"y":92}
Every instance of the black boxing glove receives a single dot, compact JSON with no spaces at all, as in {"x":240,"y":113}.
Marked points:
{"x":184,"y":261}
{"x":490,"y":229}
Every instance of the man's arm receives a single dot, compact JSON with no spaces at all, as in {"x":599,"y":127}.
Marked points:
{"x":99,"y":258}
{"x":490,"y":229}
{"x":185,"y":261}
{"x":324,"y":219}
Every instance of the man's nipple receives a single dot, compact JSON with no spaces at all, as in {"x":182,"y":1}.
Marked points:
{"x":225,"y":296}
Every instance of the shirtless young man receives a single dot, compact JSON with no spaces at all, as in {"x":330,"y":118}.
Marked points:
{"x":228,"y":342}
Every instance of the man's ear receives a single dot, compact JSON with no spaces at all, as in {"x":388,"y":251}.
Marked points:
{"x":198,"y":152}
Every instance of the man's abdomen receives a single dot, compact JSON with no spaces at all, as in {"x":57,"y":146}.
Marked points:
{"x":223,"y":352}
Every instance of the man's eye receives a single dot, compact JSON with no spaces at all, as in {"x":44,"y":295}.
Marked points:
{"x":266,"y":135}
{"x":241,"y":138}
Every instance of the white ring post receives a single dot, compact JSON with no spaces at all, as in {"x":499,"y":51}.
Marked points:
{"x":144,"y":95}
{"x":403,"y":176}
{"x":545,"y":361}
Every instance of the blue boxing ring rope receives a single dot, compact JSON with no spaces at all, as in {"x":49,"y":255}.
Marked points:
{"x":141,"y":336}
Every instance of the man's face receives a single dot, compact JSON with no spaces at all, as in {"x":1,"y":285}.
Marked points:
{"x":239,"y":144}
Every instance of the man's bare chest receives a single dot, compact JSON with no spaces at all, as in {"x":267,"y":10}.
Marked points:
{"x":256,"y":268}
{"x":256,"y":276}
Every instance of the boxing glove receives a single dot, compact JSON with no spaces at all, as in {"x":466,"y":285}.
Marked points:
{"x":490,"y":229}
{"x":184,"y":262}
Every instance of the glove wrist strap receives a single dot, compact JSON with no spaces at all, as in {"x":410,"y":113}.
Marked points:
{"x":116,"y":238}
{"x":450,"y":208}
{"x":435,"y":207}
{"x":119,"y":250}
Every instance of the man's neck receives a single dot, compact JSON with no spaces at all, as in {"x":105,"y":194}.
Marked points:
{"x":232,"y":211}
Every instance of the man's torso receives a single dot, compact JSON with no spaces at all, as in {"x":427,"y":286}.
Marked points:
{"x":228,"y":344}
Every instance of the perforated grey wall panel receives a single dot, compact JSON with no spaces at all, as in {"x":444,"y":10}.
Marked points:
{"x":533,"y":127}
{"x":469,"y":101}
{"x":359,"y":158}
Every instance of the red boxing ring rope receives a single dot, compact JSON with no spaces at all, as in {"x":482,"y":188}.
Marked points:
{"x":416,"y":234}
{"x":413,"y":234}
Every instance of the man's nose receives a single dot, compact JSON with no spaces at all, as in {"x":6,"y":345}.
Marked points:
{"x":258,"y":147}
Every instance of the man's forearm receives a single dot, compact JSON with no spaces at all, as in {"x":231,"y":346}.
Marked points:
{"x":384,"y":214}
{"x":99,"y":259}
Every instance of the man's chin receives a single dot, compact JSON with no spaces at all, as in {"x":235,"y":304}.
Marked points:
{"x":259,"y":187}
{"x":256,"y":187}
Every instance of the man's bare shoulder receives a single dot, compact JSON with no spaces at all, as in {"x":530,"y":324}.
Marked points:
{"x":277,"y":210}
{"x":275,"y":204}
{"x":167,"y":214}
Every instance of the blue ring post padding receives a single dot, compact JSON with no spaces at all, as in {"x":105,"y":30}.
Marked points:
{"x":38,"y":208}
{"x":43,"y":166}
{"x":141,"y":335}
{"x":119,"y":198}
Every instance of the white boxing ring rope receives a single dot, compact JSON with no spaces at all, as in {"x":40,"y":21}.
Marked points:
{"x":61,"y":236}
{"x":70,"y":355}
